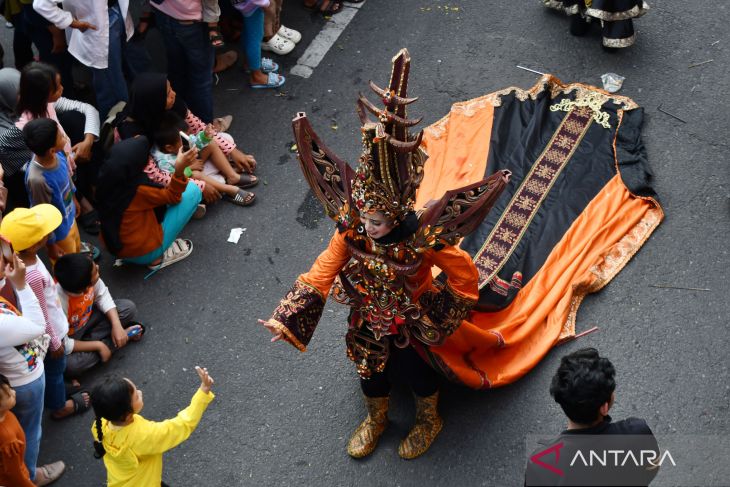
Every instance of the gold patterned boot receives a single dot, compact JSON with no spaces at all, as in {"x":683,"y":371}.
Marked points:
{"x":365,"y":438}
{"x":424,"y":431}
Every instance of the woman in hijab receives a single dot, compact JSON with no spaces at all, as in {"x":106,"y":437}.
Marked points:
{"x":140,"y":220}
{"x":13,"y":151}
{"x":150,"y":96}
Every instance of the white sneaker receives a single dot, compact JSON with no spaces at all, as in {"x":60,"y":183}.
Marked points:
{"x":278,"y":44}
{"x":291,"y":34}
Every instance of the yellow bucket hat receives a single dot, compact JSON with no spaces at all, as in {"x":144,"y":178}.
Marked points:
{"x":25,"y":227}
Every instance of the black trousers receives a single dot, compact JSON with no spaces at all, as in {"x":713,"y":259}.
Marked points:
{"x":404,"y":366}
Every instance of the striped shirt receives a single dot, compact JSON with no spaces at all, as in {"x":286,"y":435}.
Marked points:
{"x":40,"y":281}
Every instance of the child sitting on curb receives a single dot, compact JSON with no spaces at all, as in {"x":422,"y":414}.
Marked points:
{"x":216,"y":171}
{"x":131,"y":445}
{"x":98,"y":324}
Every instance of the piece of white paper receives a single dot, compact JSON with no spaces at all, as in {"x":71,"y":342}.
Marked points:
{"x":235,"y":235}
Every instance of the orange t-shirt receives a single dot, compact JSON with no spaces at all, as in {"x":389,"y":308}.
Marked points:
{"x":79,"y":310}
{"x":12,"y":449}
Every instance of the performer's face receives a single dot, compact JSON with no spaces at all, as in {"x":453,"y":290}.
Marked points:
{"x":376,"y":224}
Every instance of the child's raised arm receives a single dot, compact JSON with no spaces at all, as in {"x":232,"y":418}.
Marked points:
{"x":159,"y":437}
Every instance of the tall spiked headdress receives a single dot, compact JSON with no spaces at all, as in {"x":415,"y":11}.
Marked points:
{"x":390,"y":168}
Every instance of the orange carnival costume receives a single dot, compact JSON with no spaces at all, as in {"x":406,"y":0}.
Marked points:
{"x":564,"y":223}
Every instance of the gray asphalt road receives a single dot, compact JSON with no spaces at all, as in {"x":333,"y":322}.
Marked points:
{"x":283,"y":418}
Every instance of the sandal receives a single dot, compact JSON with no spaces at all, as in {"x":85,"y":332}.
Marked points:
{"x":325,"y":7}
{"x":247,"y":180}
{"x":278,"y":44}
{"x":91,"y":249}
{"x":80,"y":406}
{"x":268,"y":65}
{"x":222,"y":124}
{"x":71,"y":388}
{"x":177,"y":251}
{"x":274,"y":81}
{"x":89,"y":222}
{"x":216,"y":38}
{"x":242,"y":198}
{"x":49,"y":473}
{"x":199,"y":212}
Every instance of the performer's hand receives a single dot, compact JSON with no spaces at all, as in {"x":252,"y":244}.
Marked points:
{"x":206,"y":381}
{"x":278,"y":335}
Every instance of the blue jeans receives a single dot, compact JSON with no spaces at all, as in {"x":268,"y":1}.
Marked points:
{"x":176,"y":217}
{"x":109,"y":83}
{"x":190,"y":59}
{"x":55,"y":397}
{"x":29,"y":411}
{"x":36,"y":27}
{"x":251,"y":38}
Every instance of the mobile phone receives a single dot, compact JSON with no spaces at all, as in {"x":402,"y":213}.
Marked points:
{"x":185,"y":141}
{"x":7,"y":249}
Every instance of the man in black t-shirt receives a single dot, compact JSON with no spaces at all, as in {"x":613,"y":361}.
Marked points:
{"x":594,"y":450}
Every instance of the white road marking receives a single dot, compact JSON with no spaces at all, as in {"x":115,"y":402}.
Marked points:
{"x":325,"y":40}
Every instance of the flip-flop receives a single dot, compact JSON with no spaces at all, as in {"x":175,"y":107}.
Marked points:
{"x":91,"y":249}
{"x":333,"y":6}
{"x":247,"y":180}
{"x":71,"y":388}
{"x":222,"y":124}
{"x":80,"y":406}
{"x":242,"y":198}
{"x":90,"y":222}
{"x":274,"y":81}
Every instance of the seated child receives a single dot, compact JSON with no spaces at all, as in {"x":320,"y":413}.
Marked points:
{"x":131,"y":445}
{"x":216,"y":171}
{"x":12,"y":445}
{"x":97,"y":324}
{"x":48,"y":180}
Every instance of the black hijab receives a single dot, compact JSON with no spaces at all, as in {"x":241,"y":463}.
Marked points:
{"x":119,"y":177}
{"x":147,"y":104}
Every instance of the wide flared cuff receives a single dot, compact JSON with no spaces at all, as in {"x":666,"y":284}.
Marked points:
{"x":443,"y":313}
{"x":298,"y":314}
{"x":634,"y":12}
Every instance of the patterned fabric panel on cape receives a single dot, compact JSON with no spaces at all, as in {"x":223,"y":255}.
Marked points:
{"x":578,"y":207}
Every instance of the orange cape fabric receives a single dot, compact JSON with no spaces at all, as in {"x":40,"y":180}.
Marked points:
{"x":496,"y":348}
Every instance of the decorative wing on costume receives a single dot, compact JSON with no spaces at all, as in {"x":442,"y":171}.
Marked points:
{"x":460,"y":211}
{"x":327,"y":174}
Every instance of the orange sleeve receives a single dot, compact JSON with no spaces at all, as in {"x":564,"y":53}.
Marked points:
{"x":329,"y":263}
{"x":152,"y":197}
{"x":299,"y":312}
{"x":462,"y":274}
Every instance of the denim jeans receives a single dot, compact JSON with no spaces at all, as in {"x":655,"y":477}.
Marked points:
{"x":190,"y":58}
{"x":29,"y":411}
{"x":55,"y":397}
{"x":176,"y":217}
{"x":36,"y":27}
{"x":123,"y":56}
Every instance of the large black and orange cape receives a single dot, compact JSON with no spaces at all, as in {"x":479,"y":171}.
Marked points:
{"x":579,"y":205}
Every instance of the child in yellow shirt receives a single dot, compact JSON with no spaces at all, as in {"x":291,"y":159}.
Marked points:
{"x":132,"y":446}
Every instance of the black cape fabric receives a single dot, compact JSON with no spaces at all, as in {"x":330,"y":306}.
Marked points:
{"x":147,"y":104}
{"x":119,"y":177}
{"x":520,"y":132}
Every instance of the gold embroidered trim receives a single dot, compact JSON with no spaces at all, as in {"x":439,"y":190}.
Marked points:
{"x":548,"y":83}
{"x":619,"y":43}
{"x":634,"y":12}
{"x":288,"y":335}
{"x":525,"y":203}
{"x":593,"y":100}
{"x":616,"y":259}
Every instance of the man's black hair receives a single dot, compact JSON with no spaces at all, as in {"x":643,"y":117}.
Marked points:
{"x":40,"y":135}
{"x":167,"y":132}
{"x":73,"y":272}
{"x":583,"y":383}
